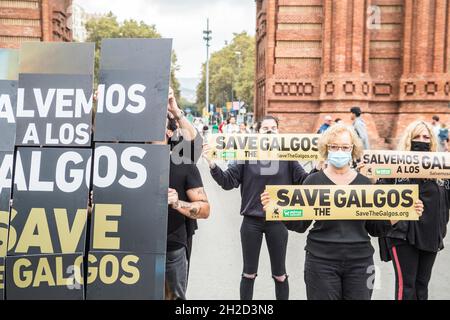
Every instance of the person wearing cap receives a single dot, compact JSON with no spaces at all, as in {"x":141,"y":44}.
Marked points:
{"x":360,"y":127}
{"x":324,"y":127}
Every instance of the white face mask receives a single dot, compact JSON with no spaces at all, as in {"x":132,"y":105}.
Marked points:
{"x":339,"y":159}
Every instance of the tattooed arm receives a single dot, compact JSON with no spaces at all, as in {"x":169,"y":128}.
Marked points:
{"x":197,"y":208}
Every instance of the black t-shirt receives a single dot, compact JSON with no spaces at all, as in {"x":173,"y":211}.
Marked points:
{"x":183,"y":177}
{"x":253,"y":178}
{"x":342,"y":239}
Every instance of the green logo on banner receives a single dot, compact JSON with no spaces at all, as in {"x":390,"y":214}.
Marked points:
{"x":293,"y":213}
{"x":383,"y":172}
{"x":229,"y":155}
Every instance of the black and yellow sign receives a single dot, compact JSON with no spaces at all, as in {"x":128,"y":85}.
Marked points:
{"x":49,"y":213}
{"x":283,"y":147}
{"x":398,"y":164}
{"x":125,"y":276}
{"x":45,"y":249}
{"x":130,"y":195}
{"x":6,"y":166}
{"x":45,"y":277}
{"x":374,"y":202}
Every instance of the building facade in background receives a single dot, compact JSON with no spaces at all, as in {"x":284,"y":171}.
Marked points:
{"x":34,"y":20}
{"x":79,"y":18}
{"x":322,"y":57}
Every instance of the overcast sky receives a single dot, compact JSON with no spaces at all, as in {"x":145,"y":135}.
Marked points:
{"x":184,"y":21}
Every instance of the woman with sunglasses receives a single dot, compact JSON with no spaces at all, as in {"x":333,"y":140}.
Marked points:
{"x":339,"y":255}
{"x":413,"y":245}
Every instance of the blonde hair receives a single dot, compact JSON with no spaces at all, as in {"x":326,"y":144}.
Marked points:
{"x":413,"y":130}
{"x":329,"y":135}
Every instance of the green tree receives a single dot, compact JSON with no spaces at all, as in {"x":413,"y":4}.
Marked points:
{"x":231,"y":74}
{"x":108,"y":27}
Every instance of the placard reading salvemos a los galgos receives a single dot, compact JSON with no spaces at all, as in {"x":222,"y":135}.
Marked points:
{"x":55,"y":97}
{"x":133,"y":90}
{"x":9,"y":62}
{"x":45,"y":277}
{"x":51,"y":189}
{"x":130,"y":198}
{"x":125,"y":275}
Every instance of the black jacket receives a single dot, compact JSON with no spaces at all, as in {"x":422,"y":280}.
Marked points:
{"x":431,"y":237}
{"x":253,"y":179}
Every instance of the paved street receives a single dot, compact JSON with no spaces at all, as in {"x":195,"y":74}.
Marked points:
{"x":217,"y":261}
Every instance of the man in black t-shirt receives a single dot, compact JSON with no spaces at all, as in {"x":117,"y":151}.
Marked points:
{"x":187,"y":202}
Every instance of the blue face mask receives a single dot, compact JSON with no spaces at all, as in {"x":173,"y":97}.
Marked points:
{"x":339,"y":159}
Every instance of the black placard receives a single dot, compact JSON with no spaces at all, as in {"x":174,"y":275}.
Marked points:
{"x":125,"y":276}
{"x":55,"y":96}
{"x":133,"y":90}
{"x":130,"y":198}
{"x":8,"y":100}
{"x":6,"y":165}
{"x":50,"y":198}
{"x":45,"y":277}
{"x":9,"y":64}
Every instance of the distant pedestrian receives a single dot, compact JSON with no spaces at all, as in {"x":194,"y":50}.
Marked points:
{"x":231,"y":127}
{"x":243,"y":128}
{"x":360,"y":127}
{"x":327,"y":124}
{"x":435,"y":121}
{"x":222,"y":126}
{"x":205,"y":132}
{"x":215,"y":128}
{"x":443,"y":138}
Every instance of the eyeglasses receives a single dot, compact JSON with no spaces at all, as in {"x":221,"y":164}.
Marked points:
{"x":336,"y":148}
{"x":265,"y":130}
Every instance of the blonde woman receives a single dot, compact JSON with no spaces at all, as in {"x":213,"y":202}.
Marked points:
{"x":413,"y":245}
{"x":339,"y":254}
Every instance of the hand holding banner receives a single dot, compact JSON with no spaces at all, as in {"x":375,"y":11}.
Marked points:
{"x":282,"y":147}
{"x":372,"y":202}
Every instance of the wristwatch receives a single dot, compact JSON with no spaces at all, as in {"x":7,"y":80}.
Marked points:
{"x":180,"y":116}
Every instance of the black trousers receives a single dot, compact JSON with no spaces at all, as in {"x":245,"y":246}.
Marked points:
{"x":338,"y":279}
{"x":252,"y":231}
{"x":413,"y":269}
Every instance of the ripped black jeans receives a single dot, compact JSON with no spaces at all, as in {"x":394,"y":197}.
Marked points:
{"x":252,"y":230}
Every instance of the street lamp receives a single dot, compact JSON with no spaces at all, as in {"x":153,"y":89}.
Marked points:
{"x":207,"y":37}
{"x":239,"y":55}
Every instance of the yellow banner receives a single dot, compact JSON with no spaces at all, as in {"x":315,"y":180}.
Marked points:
{"x":401,"y":164}
{"x":364,"y":202}
{"x":283,"y":147}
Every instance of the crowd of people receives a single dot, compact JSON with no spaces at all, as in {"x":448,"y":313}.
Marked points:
{"x":338,"y":255}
